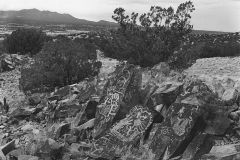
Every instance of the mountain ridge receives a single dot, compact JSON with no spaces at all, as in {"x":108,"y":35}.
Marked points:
{"x":47,"y":17}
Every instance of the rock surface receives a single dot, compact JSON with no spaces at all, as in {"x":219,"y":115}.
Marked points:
{"x":128,"y":113}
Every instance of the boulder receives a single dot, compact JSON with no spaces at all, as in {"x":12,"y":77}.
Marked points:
{"x":217,"y":121}
{"x":195,"y":92}
{"x":87,"y":112}
{"x":58,"y":130}
{"x":8,"y":147}
{"x":87,"y":92}
{"x":200,"y":145}
{"x":219,"y":156}
{"x":32,"y":148}
{"x":70,"y":138}
{"x":229,"y":96}
{"x":174,"y":130}
{"x":21,"y":112}
{"x":66,"y":110}
{"x":228,"y":83}
{"x":17,"y":152}
{"x":27,"y":127}
{"x":164,"y":94}
{"x":230,"y":148}
{"x":63,"y":91}
{"x":161,"y":68}
{"x":233,"y":116}
{"x":218,"y":88}
{"x":34,"y":100}
{"x":124,"y":133}
{"x":49,"y":148}
{"x":114,"y":94}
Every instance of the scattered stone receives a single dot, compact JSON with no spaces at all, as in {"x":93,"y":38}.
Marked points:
{"x":219,"y":156}
{"x":58,"y":130}
{"x":166,"y":94}
{"x":231,"y":148}
{"x":34,"y":100}
{"x":233,"y":116}
{"x":17,"y":152}
{"x":21,"y":113}
{"x":230,"y":96}
{"x":233,"y":108}
{"x":218,"y":88}
{"x":117,"y":126}
{"x":70,"y":138}
{"x":87,"y":112}
{"x":8,"y":147}
{"x":63,"y":91}
{"x":88,"y":124}
{"x":27,"y":157}
{"x":27,"y":127}
{"x":162,"y":68}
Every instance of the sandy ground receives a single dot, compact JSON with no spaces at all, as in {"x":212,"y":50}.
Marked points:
{"x":220,"y":68}
{"x":9,"y":88}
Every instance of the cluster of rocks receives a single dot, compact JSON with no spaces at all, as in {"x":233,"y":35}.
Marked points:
{"x":137,"y":114}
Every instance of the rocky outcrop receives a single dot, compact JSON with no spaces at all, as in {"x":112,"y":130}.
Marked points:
{"x":133,"y":114}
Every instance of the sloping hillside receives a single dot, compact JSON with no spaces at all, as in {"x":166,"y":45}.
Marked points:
{"x":47,"y":17}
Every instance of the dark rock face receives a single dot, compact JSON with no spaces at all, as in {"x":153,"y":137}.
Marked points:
{"x":34,"y":100}
{"x":200,"y":145}
{"x":195,"y":93}
{"x":166,"y":120}
{"x":165,"y":95}
{"x":219,"y":156}
{"x":114,"y":94}
{"x":123,"y":134}
{"x":87,"y":112}
{"x":58,"y":130}
{"x":66,"y":110}
{"x":174,"y":129}
{"x":63,"y":91}
{"x":218,"y":122}
{"x":20,"y":112}
{"x":86,"y":92}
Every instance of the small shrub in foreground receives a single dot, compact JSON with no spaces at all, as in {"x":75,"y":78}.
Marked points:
{"x":60,"y":63}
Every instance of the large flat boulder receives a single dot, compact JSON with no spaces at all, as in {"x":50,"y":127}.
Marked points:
{"x":114,"y":95}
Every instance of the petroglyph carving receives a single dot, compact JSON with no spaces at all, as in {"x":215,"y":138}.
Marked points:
{"x":133,"y":125}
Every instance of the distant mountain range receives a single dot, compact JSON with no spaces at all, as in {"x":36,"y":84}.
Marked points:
{"x":31,"y":16}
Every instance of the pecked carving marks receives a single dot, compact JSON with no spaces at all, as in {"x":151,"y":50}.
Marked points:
{"x":133,"y":125}
{"x":124,"y":133}
{"x":174,"y":130}
{"x":113,"y":94}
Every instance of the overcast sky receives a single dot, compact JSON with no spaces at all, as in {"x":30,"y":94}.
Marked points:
{"x":214,"y":15}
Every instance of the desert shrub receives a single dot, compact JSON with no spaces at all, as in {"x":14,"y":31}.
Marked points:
{"x":60,"y":63}
{"x":2,"y":48}
{"x":160,"y":32}
{"x":228,"y":49}
{"x":25,"y":40}
{"x":185,"y":57}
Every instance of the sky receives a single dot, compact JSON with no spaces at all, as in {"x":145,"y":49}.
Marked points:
{"x":212,"y":15}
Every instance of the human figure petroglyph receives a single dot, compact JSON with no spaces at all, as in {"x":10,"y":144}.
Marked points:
{"x":114,"y":92}
{"x":134,"y":124}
